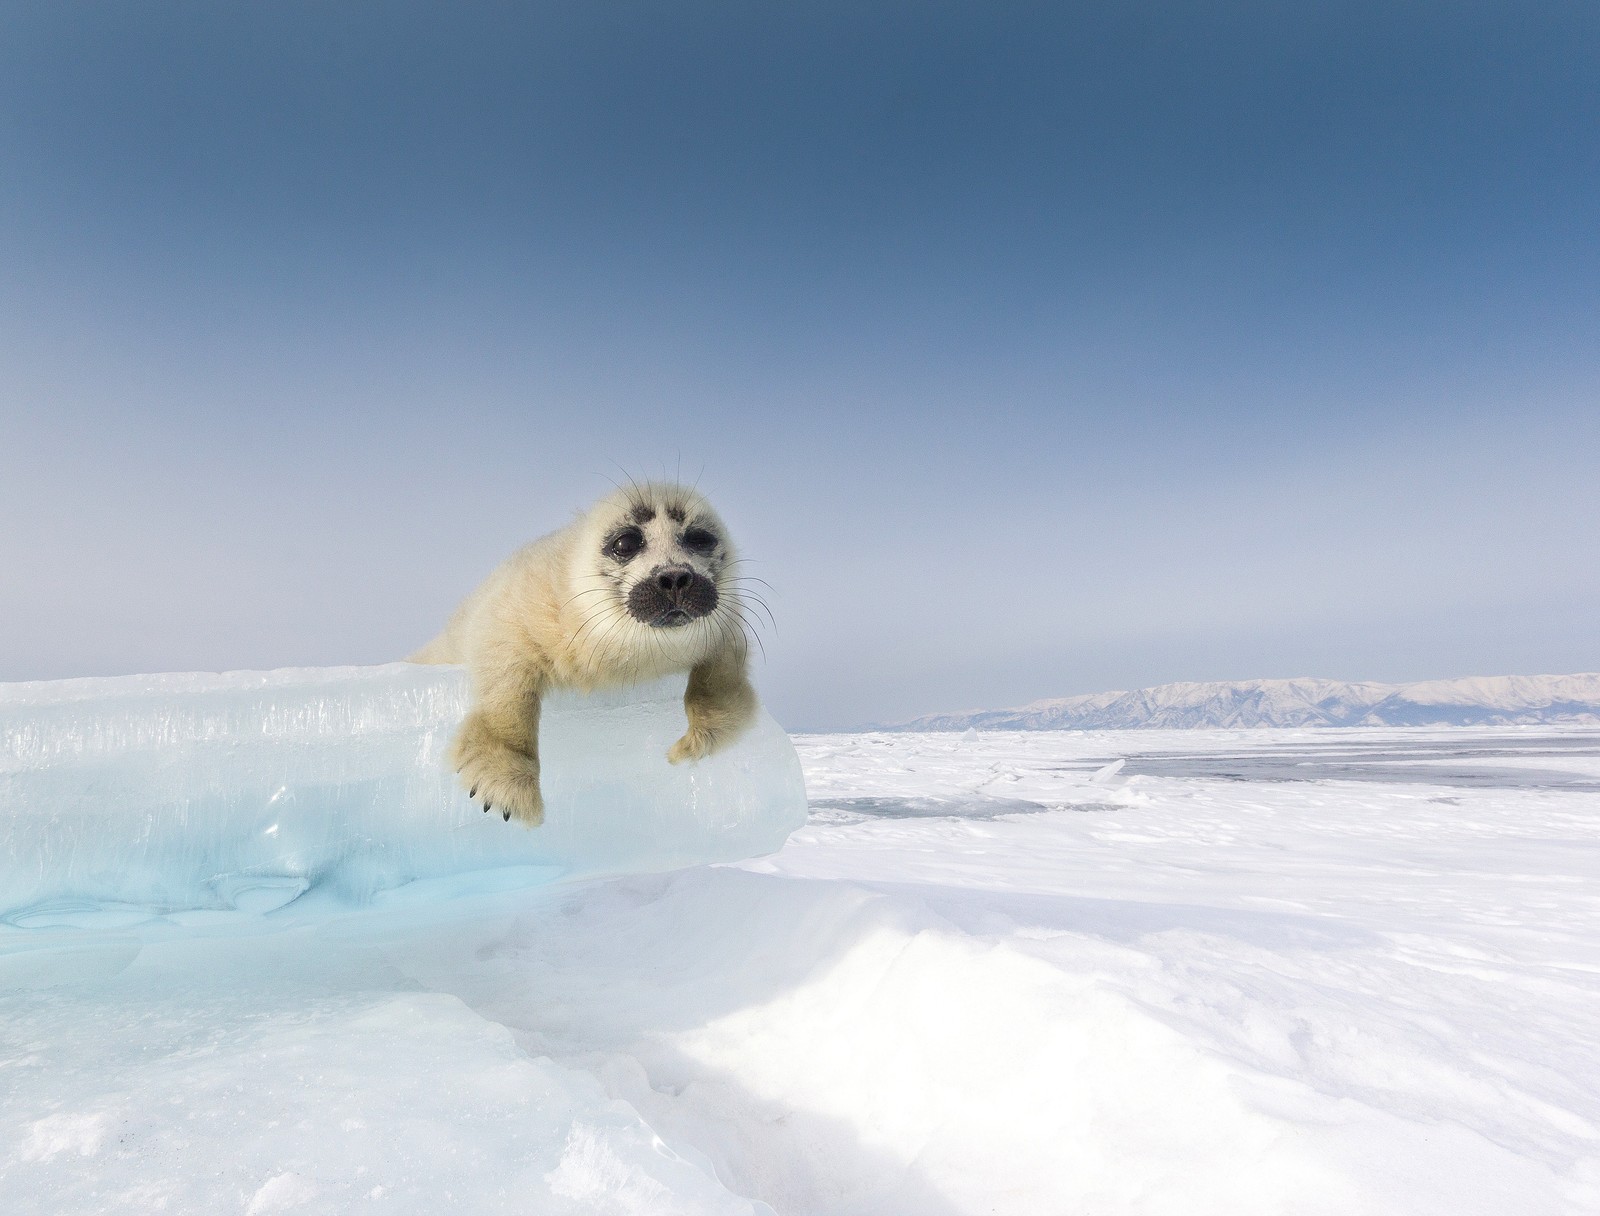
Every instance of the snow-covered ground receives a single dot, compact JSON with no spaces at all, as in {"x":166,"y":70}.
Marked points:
{"x":1148,"y":972}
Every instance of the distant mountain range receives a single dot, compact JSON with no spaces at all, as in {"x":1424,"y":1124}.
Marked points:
{"x":1474,"y":701}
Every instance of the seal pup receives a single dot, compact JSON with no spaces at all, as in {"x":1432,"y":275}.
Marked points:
{"x":637,"y":587}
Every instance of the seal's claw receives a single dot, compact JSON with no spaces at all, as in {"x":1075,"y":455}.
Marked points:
{"x":506,"y":779}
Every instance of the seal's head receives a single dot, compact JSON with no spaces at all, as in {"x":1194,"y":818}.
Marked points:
{"x":664,"y":555}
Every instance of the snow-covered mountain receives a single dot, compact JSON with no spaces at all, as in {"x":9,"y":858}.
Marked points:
{"x":1472,"y":701}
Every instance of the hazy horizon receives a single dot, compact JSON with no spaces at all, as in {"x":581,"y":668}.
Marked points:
{"x":1028,"y":350}
{"x":1041,"y":702}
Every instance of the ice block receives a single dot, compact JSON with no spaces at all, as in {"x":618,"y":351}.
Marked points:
{"x":246,"y":789}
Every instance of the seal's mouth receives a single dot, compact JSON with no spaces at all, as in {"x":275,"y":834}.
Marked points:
{"x":669,"y":597}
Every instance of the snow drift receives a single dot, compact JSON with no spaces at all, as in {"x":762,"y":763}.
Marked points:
{"x":249,"y":788}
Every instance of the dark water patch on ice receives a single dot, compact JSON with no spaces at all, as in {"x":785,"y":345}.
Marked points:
{"x":1256,"y":768}
{"x":972,"y":806}
{"x":1426,"y":761}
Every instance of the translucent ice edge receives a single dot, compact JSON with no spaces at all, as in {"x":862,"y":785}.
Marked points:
{"x":247,"y":789}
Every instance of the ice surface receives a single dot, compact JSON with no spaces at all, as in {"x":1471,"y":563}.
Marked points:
{"x":297,"y":1072}
{"x":979,"y":981}
{"x":244,"y":790}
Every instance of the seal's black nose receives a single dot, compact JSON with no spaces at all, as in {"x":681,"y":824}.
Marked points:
{"x":672,"y":596}
{"x":674,"y":578}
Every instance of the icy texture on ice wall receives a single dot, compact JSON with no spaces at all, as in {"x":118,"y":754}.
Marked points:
{"x":245,"y":789}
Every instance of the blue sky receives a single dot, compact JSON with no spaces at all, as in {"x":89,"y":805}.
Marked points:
{"x":1028,"y":349}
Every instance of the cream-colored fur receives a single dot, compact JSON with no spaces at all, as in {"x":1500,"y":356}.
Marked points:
{"x":556,"y":615}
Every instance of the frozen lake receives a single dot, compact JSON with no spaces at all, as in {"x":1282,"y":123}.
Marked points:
{"x":1329,"y":971}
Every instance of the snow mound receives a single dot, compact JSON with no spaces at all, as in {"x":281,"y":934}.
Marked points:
{"x":246,"y":790}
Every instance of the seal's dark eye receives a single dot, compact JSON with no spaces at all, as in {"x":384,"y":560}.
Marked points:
{"x":699,"y":540}
{"x":625,"y":544}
